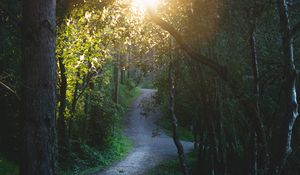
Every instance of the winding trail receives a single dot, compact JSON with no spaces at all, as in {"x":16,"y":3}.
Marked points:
{"x":151,"y":145}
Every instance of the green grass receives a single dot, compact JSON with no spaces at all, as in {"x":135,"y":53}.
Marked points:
{"x":7,"y":167}
{"x":128,"y":95}
{"x":172,"y":167}
{"x":96,"y":160}
{"x":183,"y":133}
{"x":147,"y":84}
{"x":119,"y":145}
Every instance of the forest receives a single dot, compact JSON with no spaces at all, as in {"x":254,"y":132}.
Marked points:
{"x":149,"y":87}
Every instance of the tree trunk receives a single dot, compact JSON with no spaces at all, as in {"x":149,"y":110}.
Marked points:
{"x":87,"y":111}
{"x":284,"y":129}
{"x":173,"y":118}
{"x":129,"y":62}
{"x":123,"y":71}
{"x":222,"y":130}
{"x":39,"y":85}
{"x":116,"y":80}
{"x":61,"y":124}
{"x":254,"y":60}
{"x":73,"y":107}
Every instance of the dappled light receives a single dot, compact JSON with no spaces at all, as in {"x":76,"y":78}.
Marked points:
{"x":152,"y":87}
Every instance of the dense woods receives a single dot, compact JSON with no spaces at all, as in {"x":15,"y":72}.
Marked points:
{"x":225,"y":70}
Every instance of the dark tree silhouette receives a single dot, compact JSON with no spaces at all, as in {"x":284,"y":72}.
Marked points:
{"x":39,"y":84}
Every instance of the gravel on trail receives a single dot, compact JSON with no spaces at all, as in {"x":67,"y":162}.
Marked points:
{"x":151,"y":146}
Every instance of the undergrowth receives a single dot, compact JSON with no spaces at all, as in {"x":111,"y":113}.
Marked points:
{"x":148,"y":83}
{"x":96,"y":160}
{"x":89,"y":160}
{"x":172,"y":167}
{"x":183,"y":133}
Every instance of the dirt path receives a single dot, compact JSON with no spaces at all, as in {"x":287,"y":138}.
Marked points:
{"x":148,"y":151}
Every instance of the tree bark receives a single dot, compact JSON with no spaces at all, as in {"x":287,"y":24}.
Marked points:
{"x":61,"y":124}
{"x":282,"y":137}
{"x":254,"y":60}
{"x":123,"y":71}
{"x":116,"y":80}
{"x":39,"y":85}
{"x":173,"y":118}
{"x":129,"y":62}
{"x":73,"y":107}
{"x":87,"y":111}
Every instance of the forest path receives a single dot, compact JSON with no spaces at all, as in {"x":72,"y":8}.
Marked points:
{"x":151,"y":145}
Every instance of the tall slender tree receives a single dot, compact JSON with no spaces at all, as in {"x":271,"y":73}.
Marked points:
{"x":283,"y":134}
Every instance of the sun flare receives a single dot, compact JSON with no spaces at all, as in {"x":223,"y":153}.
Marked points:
{"x":143,"y":5}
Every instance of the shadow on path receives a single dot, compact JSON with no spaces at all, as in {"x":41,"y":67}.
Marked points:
{"x":148,"y":151}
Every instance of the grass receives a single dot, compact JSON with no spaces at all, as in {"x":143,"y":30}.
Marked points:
{"x":183,"y":133}
{"x":172,"y":167}
{"x":96,"y":160}
{"x":128,"y":95}
{"x":148,"y":84}
{"x":119,"y":145}
{"x":118,"y":148}
{"x":7,"y":167}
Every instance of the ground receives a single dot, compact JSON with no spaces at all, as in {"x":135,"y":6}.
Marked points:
{"x":151,"y":145}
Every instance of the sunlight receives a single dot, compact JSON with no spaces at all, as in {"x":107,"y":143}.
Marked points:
{"x":143,"y":5}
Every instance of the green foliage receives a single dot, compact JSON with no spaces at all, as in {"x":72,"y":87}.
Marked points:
{"x":172,"y":167}
{"x":93,"y":160}
{"x":94,"y":36}
{"x":103,"y":142}
{"x":8,"y":168}
{"x":128,"y":93}
{"x":10,"y":54}
{"x":184,"y":133}
{"x":148,"y":83}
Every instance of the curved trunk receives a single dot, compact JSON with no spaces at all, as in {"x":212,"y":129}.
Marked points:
{"x":282,"y":137}
{"x":173,"y":118}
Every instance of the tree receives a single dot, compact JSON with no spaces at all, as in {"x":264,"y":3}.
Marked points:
{"x":283,"y":134}
{"x":39,"y":84}
{"x":173,"y":117}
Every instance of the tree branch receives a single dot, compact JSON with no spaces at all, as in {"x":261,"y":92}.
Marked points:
{"x":218,"y":68}
{"x":9,"y":89}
